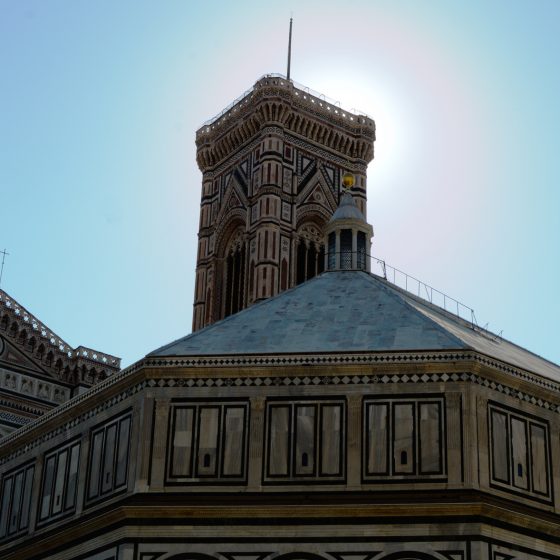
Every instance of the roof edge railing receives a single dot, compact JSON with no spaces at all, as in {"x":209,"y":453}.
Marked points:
{"x":418,"y":288}
{"x":424,"y":291}
{"x":430,"y":294}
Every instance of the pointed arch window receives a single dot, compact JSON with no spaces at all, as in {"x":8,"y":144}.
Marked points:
{"x":310,"y":249}
{"x":235,"y":280}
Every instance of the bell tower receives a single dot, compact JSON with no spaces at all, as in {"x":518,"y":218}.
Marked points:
{"x":271,"y":167}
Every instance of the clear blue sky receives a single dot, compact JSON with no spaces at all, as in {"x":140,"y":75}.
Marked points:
{"x":99,"y":103}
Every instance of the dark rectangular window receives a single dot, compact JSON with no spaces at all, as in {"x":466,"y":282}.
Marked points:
{"x":207,"y":442}
{"x":519,"y":453}
{"x":59,"y":482}
{"x":109,"y":458}
{"x":403,"y":439}
{"x":346,"y":249}
{"x":305,"y":441}
{"x":15,"y":501}
{"x":332,"y":250}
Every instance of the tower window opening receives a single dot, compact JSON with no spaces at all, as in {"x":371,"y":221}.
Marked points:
{"x":361,"y":256}
{"x":235,"y":281}
{"x":310,"y":260}
{"x":301,"y":261}
{"x":310,"y":252}
{"x":321,"y":260}
{"x":311,"y":265}
{"x":346,"y":249}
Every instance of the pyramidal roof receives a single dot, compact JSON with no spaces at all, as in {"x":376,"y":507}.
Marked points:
{"x":348,"y":311}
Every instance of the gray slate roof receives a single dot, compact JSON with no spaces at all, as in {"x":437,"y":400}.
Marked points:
{"x":348,"y":311}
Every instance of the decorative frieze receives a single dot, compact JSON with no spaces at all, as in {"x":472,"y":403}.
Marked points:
{"x":33,"y":386}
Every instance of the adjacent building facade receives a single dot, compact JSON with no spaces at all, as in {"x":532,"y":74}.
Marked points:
{"x":38,"y":369}
{"x":341,"y":418}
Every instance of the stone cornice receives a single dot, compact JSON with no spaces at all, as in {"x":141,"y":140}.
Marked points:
{"x":274,"y":101}
{"x":371,"y":358}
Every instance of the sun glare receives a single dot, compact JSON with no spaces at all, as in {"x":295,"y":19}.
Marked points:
{"x":383,"y":105}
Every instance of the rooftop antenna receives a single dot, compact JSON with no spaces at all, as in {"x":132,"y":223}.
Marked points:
{"x":4,"y":254}
{"x":289,"y":50}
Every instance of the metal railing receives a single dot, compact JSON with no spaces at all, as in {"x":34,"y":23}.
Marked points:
{"x":422,"y":290}
{"x":297,"y":87}
{"x":356,"y":260}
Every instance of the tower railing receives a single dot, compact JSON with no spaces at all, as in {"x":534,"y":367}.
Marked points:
{"x":297,"y":87}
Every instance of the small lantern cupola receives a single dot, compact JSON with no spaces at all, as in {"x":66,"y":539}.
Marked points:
{"x":348,"y":235}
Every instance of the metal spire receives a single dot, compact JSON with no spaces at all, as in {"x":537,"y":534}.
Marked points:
{"x":4,"y":254}
{"x":289,"y":50}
